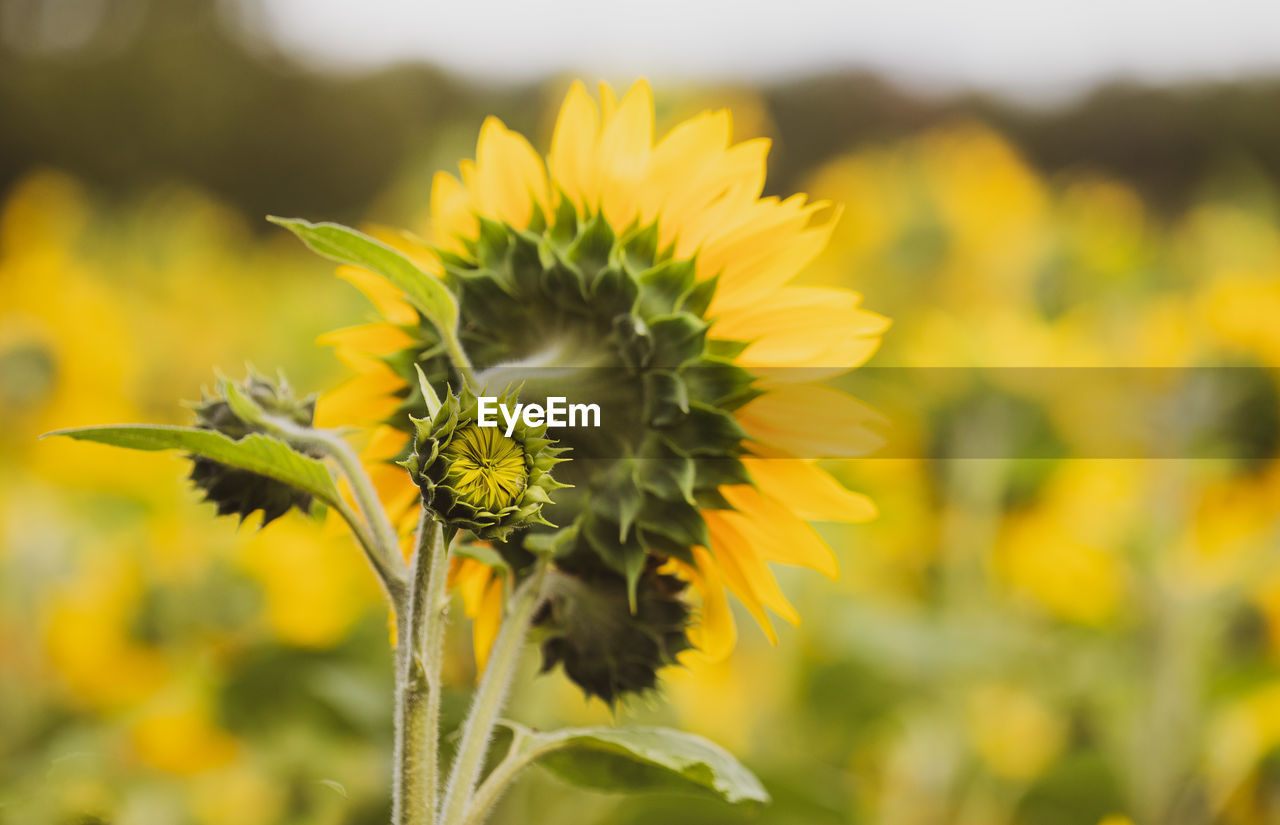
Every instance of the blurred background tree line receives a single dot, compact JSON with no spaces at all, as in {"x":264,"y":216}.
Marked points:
{"x":1021,"y":638}
{"x":128,"y":93}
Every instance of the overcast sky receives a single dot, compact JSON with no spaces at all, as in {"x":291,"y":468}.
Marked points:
{"x":1030,"y":48}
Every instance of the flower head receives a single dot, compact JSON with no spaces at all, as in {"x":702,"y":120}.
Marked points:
{"x":476,"y":478}
{"x":650,"y":279}
{"x":240,"y":491}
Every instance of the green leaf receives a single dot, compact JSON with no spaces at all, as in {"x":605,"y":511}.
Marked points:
{"x":256,"y":453}
{"x":641,"y":760}
{"x":348,"y":246}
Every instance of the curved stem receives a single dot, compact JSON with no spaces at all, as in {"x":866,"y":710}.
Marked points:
{"x":490,"y":698}
{"x":502,"y":776}
{"x":391,"y":579}
{"x":375,"y":533}
{"x":458,"y":356}
{"x":362,"y":490}
{"x":418,"y":685}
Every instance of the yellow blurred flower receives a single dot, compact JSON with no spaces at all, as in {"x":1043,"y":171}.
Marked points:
{"x":240,"y":793}
{"x":88,"y":638}
{"x":178,"y":735}
{"x":66,"y":348}
{"x":1063,"y":552}
{"x":314,"y":587}
{"x":1016,"y":735}
{"x":729,"y":700}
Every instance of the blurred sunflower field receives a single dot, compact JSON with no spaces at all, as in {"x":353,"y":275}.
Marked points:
{"x":1052,"y":621}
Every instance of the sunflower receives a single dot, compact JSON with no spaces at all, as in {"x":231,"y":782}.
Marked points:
{"x":653,"y":279}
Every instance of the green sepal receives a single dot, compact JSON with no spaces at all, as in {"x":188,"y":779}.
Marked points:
{"x":565,"y":228}
{"x":592,"y":249}
{"x":705,"y":431}
{"x":698,"y":297}
{"x":640,"y":248}
{"x":613,"y":291}
{"x":672,"y":526}
{"x":664,"y":473}
{"x":678,"y":339}
{"x":666,"y":397}
{"x":720,"y":383}
{"x":662,"y":287}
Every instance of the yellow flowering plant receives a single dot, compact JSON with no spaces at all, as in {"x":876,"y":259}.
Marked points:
{"x":645,"y":282}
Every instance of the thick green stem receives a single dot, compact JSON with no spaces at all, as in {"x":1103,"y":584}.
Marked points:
{"x":490,"y":698}
{"x":419,"y":655}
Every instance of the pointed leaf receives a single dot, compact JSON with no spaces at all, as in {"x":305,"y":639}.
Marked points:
{"x":348,"y":246}
{"x":256,"y":453}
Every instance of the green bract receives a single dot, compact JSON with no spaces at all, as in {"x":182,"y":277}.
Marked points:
{"x":477,"y":478}
{"x":239,"y":491}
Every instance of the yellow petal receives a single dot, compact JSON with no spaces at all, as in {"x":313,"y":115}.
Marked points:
{"x":481,"y":592}
{"x":752,"y":320}
{"x":486,"y":622}
{"x":354,"y":345}
{"x":751,"y":282}
{"x":715,"y":633}
{"x":625,"y":141}
{"x":385,"y":443}
{"x":777,"y":534}
{"x":810,"y":421}
{"x":388,"y":300}
{"x":509,"y":179}
{"x":677,"y":162}
{"x":395,"y":489}
{"x":451,"y":212}
{"x":764,"y":227}
{"x":573,"y":148}
{"x":717,"y":200}
{"x":819,"y":346}
{"x":808,"y":491}
{"x":365,"y":398}
{"x":608,"y":101}
{"x":803,"y":327}
{"x":745,"y":570}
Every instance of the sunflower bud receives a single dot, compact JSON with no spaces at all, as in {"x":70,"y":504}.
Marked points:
{"x":241,"y":492}
{"x":477,"y":478}
{"x":588,"y":626}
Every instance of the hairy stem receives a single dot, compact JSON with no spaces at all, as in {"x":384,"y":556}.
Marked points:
{"x":391,"y":578}
{"x":490,"y":698}
{"x":503,"y":775}
{"x":419,"y":654}
{"x":363,"y":492}
{"x":375,"y":533}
